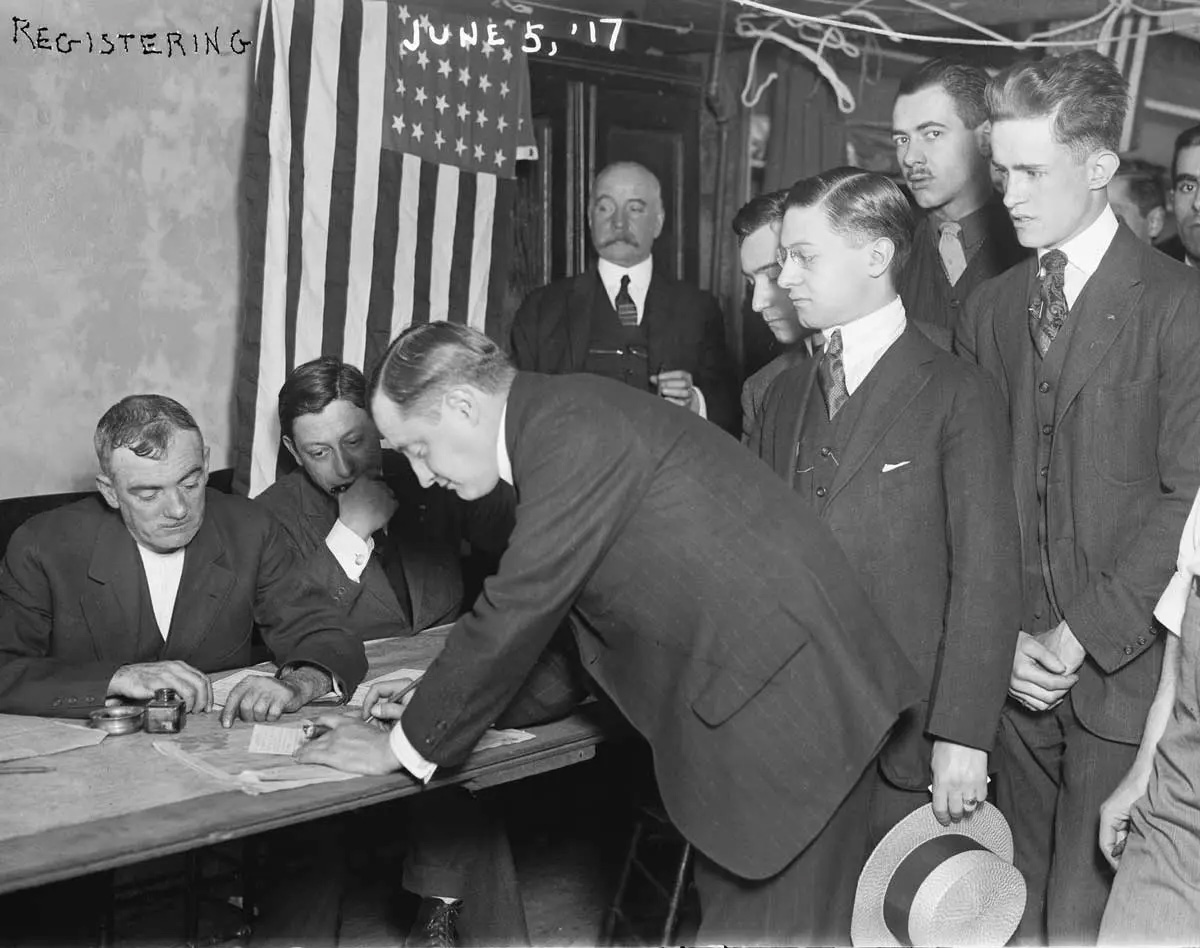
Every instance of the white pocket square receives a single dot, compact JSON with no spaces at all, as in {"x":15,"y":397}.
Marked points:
{"x":892,"y":467}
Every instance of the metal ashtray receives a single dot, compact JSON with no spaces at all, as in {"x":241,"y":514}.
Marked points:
{"x":119,"y":719}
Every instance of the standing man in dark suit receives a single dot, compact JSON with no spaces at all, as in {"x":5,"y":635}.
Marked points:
{"x":902,"y":449}
{"x":1185,"y":199}
{"x":158,"y":582}
{"x":623,"y":320}
{"x":1096,"y":344}
{"x":719,"y":616}
{"x":388,"y":554}
{"x":964,"y":236}
{"x":756,"y":225}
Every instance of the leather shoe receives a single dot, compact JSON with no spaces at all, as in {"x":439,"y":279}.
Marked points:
{"x":436,"y":925}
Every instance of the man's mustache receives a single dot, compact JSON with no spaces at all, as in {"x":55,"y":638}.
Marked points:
{"x":620,"y":239}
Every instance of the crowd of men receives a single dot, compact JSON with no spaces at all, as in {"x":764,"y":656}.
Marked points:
{"x":951,"y":560}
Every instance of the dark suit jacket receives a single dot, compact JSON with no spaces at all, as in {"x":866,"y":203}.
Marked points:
{"x":71,"y":596}
{"x":934,"y":539}
{"x":684,"y":330}
{"x":425,"y":534}
{"x":719,"y":615}
{"x":1173,"y":247}
{"x":1123,"y":460}
{"x":754,"y":389}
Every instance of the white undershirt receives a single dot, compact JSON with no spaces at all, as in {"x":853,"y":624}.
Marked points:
{"x":163,"y":573}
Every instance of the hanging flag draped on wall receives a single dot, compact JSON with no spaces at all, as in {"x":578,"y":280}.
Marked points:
{"x":379,"y":181}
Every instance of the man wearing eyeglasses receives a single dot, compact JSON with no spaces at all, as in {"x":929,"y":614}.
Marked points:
{"x":625,"y":320}
{"x":902,"y":449}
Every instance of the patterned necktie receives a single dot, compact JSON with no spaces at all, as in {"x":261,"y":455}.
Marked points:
{"x":831,"y":374}
{"x":626,"y":307}
{"x":950,"y":249}
{"x":1048,"y":312}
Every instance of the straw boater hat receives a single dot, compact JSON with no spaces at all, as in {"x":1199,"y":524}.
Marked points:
{"x":928,"y":884}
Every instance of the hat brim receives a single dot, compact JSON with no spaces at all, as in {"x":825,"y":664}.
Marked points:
{"x":868,"y":927}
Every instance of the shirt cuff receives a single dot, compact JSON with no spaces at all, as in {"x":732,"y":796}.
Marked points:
{"x":409,"y":759}
{"x":350,"y":550}
{"x":1172,"y":602}
{"x":702,"y":407}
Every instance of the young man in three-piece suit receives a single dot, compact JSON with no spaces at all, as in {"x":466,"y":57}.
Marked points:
{"x":719,"y":616}
{"x":1096,"y":346}
{"x":902,"y":449}
{"x":625,"y":319}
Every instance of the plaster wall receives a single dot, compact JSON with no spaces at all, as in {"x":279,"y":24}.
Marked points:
{"x":119,"y":251}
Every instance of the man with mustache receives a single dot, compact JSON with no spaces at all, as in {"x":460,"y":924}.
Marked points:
{"x":756,"y":225}
{"x":964,"y":236}
{"x":1096,"y":344}
{"x":156,"y":583}
{"x":1185,"y":198}
{"x":624,"y":320}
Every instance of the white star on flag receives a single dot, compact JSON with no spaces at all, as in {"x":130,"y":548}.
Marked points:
{"x":487,"y":50}
{"x":425,"y":21}
{"x":422,"y":59}
{"x":441,"y":105}
{"x":420,"y":95}
{"x":459,"y":147}
{"x":479,"y":153}
{"x":481,"y":118}
{"x":398,"y":123}
{"x":444,"y":67}
{"x":484,"y":84}
{"x":403,"y":13}
{"x":417,"y":132}
{"x":463,"y":112}
{"x":464,"y":76}
{"x":499,"y":159}
{"x":501,"y":124}
{"x":504,"y":90}
{"x":400,"y":86}
{"x":437,"y":138}
{"x":507,"y":55}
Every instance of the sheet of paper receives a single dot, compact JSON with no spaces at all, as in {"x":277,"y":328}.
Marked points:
{"x":23,"y":736}
{"x":493,"y":738}
{"x":360,"y":693}
{"x":272,"y":739}
{"x":222,"y":688}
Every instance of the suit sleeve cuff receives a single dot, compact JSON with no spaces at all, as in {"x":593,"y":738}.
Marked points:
{"x":409,"y":759}
{"x":1171,"y":603}
{"x":701,"y":404}
{"x":350,"y":550}
{"x":337,"y":687}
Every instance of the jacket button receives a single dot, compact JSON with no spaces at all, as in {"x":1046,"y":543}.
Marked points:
{"x":820,"y":491}
{"x":1128,"y":649}
{"x":1037,"y":613}
{"x":1044,"y":471}
{"x":56,"y":702}
{"x":72,"y":700}
{"x":1141,"y":640}
{"x":1044,"y":387}
{"x":1047,"y":429}
{"x":341,"y":590}
{"x":955,"y":303}
{"x":825,"y":452}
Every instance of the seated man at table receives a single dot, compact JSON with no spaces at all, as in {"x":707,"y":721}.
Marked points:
{"x":156,"y":583}
{"x":387,"y":552}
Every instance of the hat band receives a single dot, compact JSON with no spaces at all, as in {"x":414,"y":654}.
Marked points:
{"x":912,"y":871}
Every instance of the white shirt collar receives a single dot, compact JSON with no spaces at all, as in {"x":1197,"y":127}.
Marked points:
{"x":640,"y":275}
{"x":1084,"y":252}
{"x":503,"y":462}
{"x":865,"y":340}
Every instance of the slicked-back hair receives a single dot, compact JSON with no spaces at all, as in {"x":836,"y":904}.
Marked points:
{"x":1083,"y":92}
{"x":427,"y":360}
{"x":962,"y":82}
{"x":860,"y":206}
{"x":1145,"y":183}
{"x":758,"y":212}
{"x":311,"y":387}
{"x":145,"y":424}
{"x":1188,"y":138}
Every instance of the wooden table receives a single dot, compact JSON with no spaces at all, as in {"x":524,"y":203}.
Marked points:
{"x":122,"y":802}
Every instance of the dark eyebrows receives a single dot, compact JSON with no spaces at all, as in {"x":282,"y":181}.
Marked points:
{"x":1185,"y":179}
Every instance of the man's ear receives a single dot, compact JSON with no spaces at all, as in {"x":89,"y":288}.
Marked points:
{"x":983,"y":138}
{"x":879,"y":258}
{"x":1156,"y":220}
{"x":287,"y":443}
{"x":206,"y":455}
{"x":464,"y":401}
{"x":107,"y":490}
{"x":1102,"y":165}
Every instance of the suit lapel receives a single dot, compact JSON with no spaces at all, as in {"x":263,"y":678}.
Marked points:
{"x":112,"y":600}
{"x":898,"y":377}
{"x":207,"y":580}
{"x":577,"y":317}
{"x":1105,"y":305}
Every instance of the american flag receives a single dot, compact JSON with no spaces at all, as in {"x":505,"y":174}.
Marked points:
{"x":380,"y":160}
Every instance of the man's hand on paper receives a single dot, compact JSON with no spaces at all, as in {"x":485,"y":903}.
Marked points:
{"x":350,"y":745}
{"x":259,"y":698}
{"x":142,"y":680}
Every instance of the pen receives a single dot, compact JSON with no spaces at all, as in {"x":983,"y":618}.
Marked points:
{"x":313,"y":731}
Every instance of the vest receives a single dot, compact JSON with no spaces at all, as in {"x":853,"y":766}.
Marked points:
{"x":615,"y":351}
{"x":823,"y":442}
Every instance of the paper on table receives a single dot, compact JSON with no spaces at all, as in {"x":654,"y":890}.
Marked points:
{"x":271,"y":739}
{"x":22,"y":736}
{"x":360,"y":693}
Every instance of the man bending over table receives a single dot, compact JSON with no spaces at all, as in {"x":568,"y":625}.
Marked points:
{"x":157,"y":582}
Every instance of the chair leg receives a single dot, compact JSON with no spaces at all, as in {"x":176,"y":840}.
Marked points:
{"x":191,"y":898}
{"x":685,"y":861}
{"x":610,"y":920}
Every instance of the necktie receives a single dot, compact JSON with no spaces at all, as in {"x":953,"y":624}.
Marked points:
{"x":1048,"y":312}
{"x":831,"y":374}
{"x":950,"y":249}
{"x":626,"y":307}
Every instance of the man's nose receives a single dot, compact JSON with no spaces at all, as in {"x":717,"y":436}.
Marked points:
{"x":911,"y":155}
{"x":424,"y":476}
{"x":176,"y":508}
{"x":343,"y":468}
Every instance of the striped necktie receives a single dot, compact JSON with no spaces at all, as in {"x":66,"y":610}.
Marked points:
{"x":831,"y":374}
{"x":950,"y":249}
{"x":626,"y":307}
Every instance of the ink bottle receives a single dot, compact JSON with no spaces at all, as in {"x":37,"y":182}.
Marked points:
{"x":165,"y":714}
